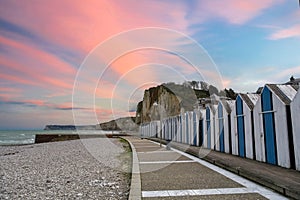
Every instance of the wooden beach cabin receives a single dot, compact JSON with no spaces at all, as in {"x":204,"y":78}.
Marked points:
{"x":273,"y":127}
{"x":183,"y":127}
{"x":198,"y":131}
{"x":195,"y":141}
{"x":189,"y":127}
{"x":243,"y":143}
{"x":201,"y":127}
{"x":210,"y":112}
{"x":295,"y":115}
{"x":223,"y":124}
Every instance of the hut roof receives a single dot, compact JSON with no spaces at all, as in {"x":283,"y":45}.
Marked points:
{"x":250,"y":99}
{"x":213,"y":108}
{"x":285,"y":93}
{"x":228,"y":105}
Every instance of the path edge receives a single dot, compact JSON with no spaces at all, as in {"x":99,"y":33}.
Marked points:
{"x":135,"y":192}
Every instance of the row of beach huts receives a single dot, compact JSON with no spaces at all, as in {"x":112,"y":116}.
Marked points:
{"x":264,"y":127}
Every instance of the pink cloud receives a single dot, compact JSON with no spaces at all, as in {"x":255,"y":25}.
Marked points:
{"x":9,"y":89}
{"x":226,"y":82}
{"x":34,"y":66}
{"x":35,"y":102}
{"x":82,"y":26}
{"x":7,"y":96}
{"x":293,"y":31}
{"x":15,"y":79}
{"x":234,"y":11}
{"x":38,"y":55}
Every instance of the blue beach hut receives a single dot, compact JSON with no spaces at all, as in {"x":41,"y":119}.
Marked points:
{"x":243,"y":125}
{"x":273,"y":127}
{"x":201,"y":127}
{"x":223,"y":130}
{"x":210,"y":111}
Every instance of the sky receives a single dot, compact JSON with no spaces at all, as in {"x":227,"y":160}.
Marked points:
{"x":89,"y":62}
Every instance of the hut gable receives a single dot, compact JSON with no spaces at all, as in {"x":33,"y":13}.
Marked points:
{"x":285,"y":93}
{"x":212,"y":108}
{"x":228,"y":105}
{"x":250,"y":99}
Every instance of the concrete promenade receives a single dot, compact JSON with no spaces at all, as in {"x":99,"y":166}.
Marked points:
{"x":159,"y":173}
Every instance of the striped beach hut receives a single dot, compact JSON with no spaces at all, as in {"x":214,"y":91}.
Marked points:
{"x":197,"y":118}
{"x":273,"y":127}
{"x":189,"y":127}
{"x":201,"y":127}
{"x":180,"y":128}
{"x":243,"y":142}
{"x":183,"y":127}
{"x":174,"y":129}
{"x":295,"y":113}
{"x":210,"y":112}
{"x":196,"y":127}
{"x":195,"y":141}
{"x":164,"y":129}
{"x":223,"y":124}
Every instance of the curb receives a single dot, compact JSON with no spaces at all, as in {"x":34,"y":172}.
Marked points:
{"x":135,"y":192}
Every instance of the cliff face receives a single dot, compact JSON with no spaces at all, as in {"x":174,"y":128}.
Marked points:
{"x":163,"y":101}
{"x":125,"y":124}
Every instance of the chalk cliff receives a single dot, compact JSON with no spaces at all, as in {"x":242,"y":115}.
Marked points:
{"x":125,"y":124}
{"x":166,"y":100}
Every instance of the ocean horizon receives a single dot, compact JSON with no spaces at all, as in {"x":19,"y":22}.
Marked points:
{"x":22,"y":137}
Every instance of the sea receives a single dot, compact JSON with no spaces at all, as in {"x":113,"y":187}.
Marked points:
{"x":22,"y":137}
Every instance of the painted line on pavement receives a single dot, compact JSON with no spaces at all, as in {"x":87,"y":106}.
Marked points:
{"x":168,"y":162}
{"x":196,"y":192}
{"x":137,"y":147}
{"x":146,"y":152}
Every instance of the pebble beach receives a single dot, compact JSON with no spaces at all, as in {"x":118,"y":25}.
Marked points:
{"x":95,"y":168}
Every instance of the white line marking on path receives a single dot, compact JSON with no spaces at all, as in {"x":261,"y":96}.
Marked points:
{"x":145,"y":146}
{"x":166,"y":151}
{"x":196,"y":192}
{"x":168,"y":162}
{"x":250,"y":186}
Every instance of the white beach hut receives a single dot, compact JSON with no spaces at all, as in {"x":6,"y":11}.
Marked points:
{"x":295,"y":115}
{"x":188,"y":127}
{"x":210,"y":126}
{"x":273,"y":126}
{"x":223,"y":124}
{"x":197,"y":123}
{"x":201,"y":128}
{"x":243,"y":143}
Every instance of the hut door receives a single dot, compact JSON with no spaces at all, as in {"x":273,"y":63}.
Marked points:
{"x":201,"y":132}
{"x":194,"y":129}
{"x":187,"y":127}
{"x":268,"y":126}
{"x":208,"y":127}
{"x":221,"y":127}
{"x":240,"y":126}
{"x":181,"y":131}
